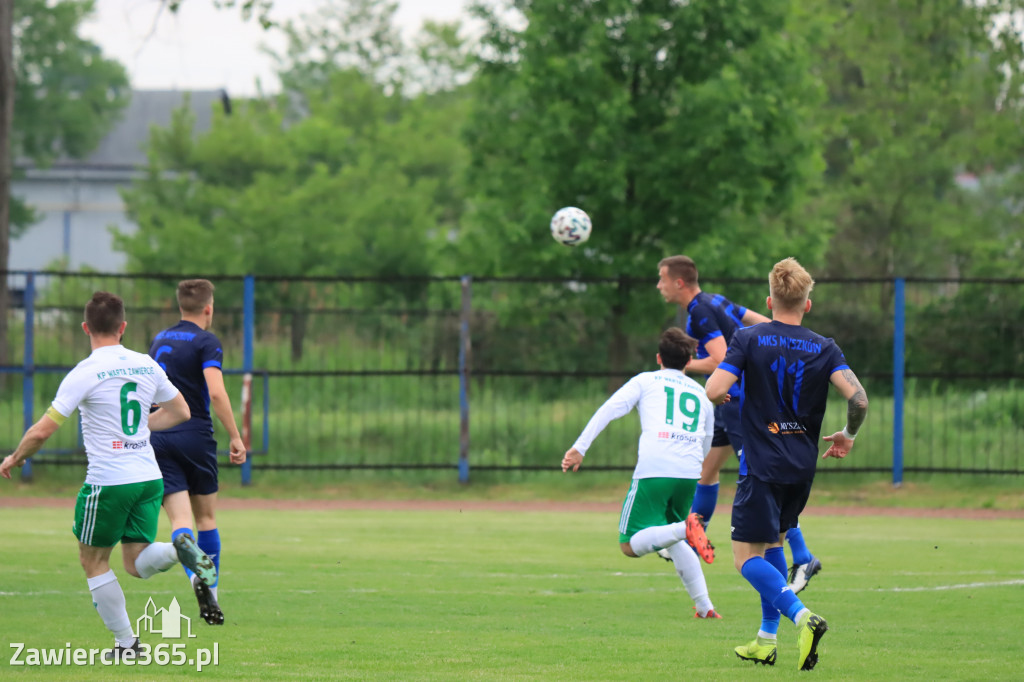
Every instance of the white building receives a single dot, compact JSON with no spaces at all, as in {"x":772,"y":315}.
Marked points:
{"x":79,"y":200}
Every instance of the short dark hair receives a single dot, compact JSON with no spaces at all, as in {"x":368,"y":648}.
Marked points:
{"x":104,"y":313}
{"x":194,"y":295}
{"x":676,"y":347}
{"x":681,"y":267}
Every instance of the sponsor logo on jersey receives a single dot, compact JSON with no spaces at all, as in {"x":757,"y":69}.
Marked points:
{"x":683,"y":437}
{"x":778,"y":427}
{"x":130,"y":444}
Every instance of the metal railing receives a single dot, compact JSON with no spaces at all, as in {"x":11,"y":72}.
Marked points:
{"x":469,"y":373}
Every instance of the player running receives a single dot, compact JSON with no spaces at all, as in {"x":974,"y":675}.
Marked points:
{"x":713,"y":319}
{"x":677,"y":422}
{"x":187,"y":454}
{"x":786,"y":370}
{"x":120,"y":499}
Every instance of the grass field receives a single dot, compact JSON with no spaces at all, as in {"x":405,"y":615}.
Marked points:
{"x":454,"y":595}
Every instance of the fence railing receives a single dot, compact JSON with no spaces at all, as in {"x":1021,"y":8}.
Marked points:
{"x":469,"y":373}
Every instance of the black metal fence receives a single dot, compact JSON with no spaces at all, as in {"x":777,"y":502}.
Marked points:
{"x":502,"y":374}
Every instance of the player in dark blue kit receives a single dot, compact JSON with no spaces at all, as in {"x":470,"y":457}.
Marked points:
{"x":712,"y":319}
{"x":187,"y":454}
{"x":786,"y":371}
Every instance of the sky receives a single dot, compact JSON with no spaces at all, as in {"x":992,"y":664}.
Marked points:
{"x":203,"y":48}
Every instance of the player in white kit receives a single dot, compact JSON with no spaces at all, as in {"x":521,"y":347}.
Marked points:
{"x":678,"y":424}
{"x":113,"y":390}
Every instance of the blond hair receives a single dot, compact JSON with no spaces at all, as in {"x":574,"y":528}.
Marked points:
{"x":790,"y":285}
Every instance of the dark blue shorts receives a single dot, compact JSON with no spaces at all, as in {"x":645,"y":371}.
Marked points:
{"x":762,"y":511}
{"x":727,"y":425}
{"x":188,"y":461}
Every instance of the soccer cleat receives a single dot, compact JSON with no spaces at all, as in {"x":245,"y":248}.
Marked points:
{"x":120,"y":653}
{"x":710,"y":614}
{"x":801,"y":574}
{"x":209,"y":609}
{"x":193,"y":558}
{"x":663,"y":553}
{"x":812,"y":629}
{"x":761,"y":651}
{"x":697,"y":539}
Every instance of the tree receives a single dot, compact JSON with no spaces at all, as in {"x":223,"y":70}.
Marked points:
{"x":6,"y":129}
{"x":918,"y":92}
{"x":679,"y":127}
{"x":343,"y":174}
{"x":258,"y":8}
{"x":58,"y":96}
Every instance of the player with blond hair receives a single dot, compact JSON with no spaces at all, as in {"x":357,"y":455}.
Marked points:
{"x":786,"y":371}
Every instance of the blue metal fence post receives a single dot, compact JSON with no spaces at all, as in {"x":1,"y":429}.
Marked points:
{"x":465,"y":348}
{"x":29,"y":365}
{"x":248,"y":326}
{"x":898,"y":339}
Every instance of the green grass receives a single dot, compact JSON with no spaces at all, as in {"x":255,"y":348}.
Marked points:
{"x":830,"y":488}
{"x":453,"y":595}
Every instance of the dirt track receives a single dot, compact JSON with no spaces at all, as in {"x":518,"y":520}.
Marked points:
{"x":530,"y":506}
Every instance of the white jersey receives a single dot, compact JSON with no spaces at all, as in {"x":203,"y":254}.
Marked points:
{"x":113,"y":389}
{"x":676,"y":418}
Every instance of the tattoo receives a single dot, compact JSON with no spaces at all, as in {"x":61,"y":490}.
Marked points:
{"x":857,"y":406}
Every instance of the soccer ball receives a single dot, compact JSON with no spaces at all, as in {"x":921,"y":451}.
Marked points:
{"x":570,"y":226}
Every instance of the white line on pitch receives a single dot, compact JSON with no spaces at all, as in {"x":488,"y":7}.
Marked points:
{"x":939,"y":588}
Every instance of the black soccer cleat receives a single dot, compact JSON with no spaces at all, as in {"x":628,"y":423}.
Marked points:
{"x":209,"y":609}
{"x":121,"y":653}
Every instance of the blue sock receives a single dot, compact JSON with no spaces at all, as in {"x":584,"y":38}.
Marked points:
{"x":174,"y":536}
{"x":209,"y":542}
{"x":776,"y":556}
{"x":795,"y":538}
{"x":704,"y":501}
{"x":772,"y":587}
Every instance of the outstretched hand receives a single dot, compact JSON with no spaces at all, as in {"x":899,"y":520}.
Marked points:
{"x":840,"y":445}
{"x":572,"y":460}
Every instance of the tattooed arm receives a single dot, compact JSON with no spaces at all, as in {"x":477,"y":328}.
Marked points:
{"x":856,"y":410}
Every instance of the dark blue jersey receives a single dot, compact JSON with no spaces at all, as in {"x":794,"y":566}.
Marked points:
{"x":184,"y":351}
{"x":711,"y":316}
{"x":786,"y":371}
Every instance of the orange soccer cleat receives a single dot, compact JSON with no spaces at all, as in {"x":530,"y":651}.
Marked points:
{"x":697,"y":539}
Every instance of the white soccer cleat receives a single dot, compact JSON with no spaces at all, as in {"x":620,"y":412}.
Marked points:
{"x":801,"y":574}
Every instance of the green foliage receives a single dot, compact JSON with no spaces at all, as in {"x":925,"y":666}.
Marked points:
{"x":341,"y":175}
{"x":679,"y":127}
{"x":919,"y":91}
{"x":249,"y":8}
{"x":67,"y":95}
{"x":672,"y":124}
